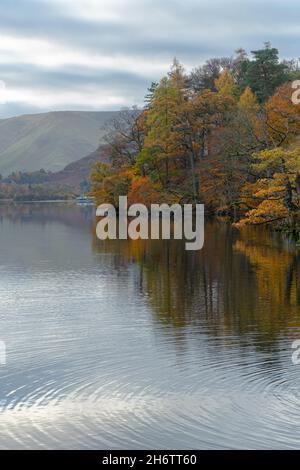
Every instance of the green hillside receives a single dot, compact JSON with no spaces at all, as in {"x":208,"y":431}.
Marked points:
{"x":49,"y":140}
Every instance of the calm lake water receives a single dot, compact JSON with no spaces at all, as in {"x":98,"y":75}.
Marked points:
{"x":139,"y":344}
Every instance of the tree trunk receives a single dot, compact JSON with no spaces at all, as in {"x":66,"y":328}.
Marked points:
{"x":288,"y":198}
{"x":194,"y":182}
{"x":298,"y":185}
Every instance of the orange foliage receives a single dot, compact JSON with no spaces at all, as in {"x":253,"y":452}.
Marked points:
{"x":144,"y":191}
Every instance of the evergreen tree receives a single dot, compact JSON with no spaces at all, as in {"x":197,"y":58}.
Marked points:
{"x":150,"y":95}
{"x":265,"y":73}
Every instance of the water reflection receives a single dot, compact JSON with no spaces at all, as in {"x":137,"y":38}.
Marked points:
{"x":240,"y":282}
{"x":141,"y":344}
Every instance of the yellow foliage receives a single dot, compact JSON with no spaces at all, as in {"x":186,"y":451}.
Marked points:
{"x":248,"y":101}
{"x":225,"y":84}
{"x":283,"y":116}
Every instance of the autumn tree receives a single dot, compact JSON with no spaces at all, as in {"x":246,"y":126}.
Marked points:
{"x":233,"y":143}
{"x":276,"y":193}
{"x":125,"y":135}
{"x":282,"y":117}
{"x":108,"y":183}
{"x":205,"y":76}
{"x":162,"y":144}
{"x":226,"y":135}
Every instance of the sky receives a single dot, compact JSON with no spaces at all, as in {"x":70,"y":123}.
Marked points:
{"x":103,"y":54}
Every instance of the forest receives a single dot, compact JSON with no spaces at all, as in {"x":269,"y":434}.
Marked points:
{"x":225,"y":134}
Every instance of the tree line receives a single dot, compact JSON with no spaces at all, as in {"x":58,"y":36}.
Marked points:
{"x":226,"y":135}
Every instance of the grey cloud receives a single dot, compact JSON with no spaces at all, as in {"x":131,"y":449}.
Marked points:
{"x":192,"y":30}
{"x":29,"y":75}
{"x":168,"y":26}
{"x":16,"y":109}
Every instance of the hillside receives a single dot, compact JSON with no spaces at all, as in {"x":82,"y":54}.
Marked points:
{"x":49,"y":140}
{"x":43,"y":185}
{"x":76,"y":172}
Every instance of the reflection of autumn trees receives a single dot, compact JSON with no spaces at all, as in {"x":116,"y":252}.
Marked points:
{"x":234,"y":286}
{"x":277,"y":267}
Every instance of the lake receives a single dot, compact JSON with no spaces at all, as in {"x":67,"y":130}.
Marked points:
{"x":141,"y":344}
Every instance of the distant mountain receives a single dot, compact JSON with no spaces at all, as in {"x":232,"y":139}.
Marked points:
{"x":77,"y":172}
{"x":49,"y":140}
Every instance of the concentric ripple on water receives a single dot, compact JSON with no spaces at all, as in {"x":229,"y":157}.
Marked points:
{"x":117,"y":349}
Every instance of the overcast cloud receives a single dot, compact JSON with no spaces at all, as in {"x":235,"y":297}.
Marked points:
{"x":102,"y":54}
